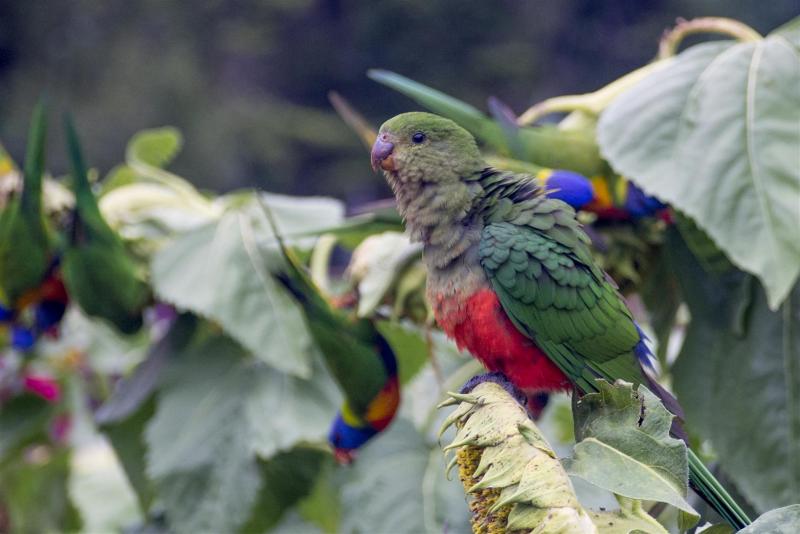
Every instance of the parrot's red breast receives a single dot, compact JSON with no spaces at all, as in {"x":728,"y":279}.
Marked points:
{"x":479,"y":324}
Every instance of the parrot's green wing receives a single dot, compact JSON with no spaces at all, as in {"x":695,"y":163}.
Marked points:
{"x":547,"y":283}
{"x":98,"y":270}
{"x":25,"y":242}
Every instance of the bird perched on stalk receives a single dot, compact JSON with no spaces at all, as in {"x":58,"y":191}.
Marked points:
{"x":510,"y":274}
{"x":26,"y":244}
{"x":357,"y":355}
{"x":98,"y":271}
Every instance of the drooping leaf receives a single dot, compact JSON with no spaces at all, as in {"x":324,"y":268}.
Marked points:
{"x":784,"y":520}
{"x":738,"y":374}
{"x":715,"y":134}
{"x":625,"y":446}
{"x":221,"y":271}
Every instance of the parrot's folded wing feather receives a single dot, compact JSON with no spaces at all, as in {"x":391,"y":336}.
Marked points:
{"x":560,"y":302}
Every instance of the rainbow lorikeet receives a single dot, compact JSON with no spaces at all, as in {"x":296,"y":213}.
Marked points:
{"x":98,"y":271}
{"x":357,"y":355}
{"x":25,"y":240}
{"x":510,"y":274}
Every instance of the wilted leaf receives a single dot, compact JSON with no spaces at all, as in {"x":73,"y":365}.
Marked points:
{"x":738,"y":374}
{"x":784,"y":520}
{"x":625,"y":446}
{"x":715,"y":134}
{"x":221,"y":271}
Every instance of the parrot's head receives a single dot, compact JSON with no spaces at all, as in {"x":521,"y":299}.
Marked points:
{"x":423,"y":147}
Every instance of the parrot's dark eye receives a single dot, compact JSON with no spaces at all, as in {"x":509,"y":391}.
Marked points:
{"x":417,"y":138}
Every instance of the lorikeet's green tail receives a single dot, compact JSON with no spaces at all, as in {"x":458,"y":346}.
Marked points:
{"x":25,"y":241}
{"x":99,"y":272}
{"x":359,"y":358}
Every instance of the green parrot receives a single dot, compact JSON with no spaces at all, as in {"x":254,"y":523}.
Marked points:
{"x":26,"y":245}
{"x":510,"y":274}
{"x":357,"y":355}
{"x":98,"y":270}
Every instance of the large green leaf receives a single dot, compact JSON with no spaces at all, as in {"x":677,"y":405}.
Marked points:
{"x":625,"y":446}
{"x":99,"y":489}
{"x":287,"y":479}
{"x":784,"y":520}
{"x":396,"y":485}
{"x":738,"y":378}
{"x":716,"y":134}
{"x":220,"y":413}
{"x":221,"y":271}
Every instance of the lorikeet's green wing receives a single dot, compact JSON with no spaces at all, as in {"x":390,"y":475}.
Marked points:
{"x":556,"y":296}
{"x":98,"y":270}
{"x":357,"y":356}
{"x":25,"y":244}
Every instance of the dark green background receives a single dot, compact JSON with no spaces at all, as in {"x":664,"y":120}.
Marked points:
{"x":246,"y":81}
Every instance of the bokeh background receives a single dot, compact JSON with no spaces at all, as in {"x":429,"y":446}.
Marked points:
{"x":247,"y":80}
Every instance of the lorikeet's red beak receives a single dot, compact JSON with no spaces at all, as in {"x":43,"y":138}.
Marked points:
{"x":381,"y":155}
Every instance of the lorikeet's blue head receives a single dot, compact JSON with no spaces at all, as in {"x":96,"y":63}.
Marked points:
{"x":350,"y":431}
{"x":571,"y":187}
{"x":345,"y":438}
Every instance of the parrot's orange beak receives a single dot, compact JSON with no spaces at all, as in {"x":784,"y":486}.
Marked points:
{"x":381,"y":155}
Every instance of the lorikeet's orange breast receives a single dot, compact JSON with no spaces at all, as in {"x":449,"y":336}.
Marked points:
{"x":479,"y":324}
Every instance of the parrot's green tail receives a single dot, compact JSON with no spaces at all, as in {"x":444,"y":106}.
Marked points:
{"x":705,"y":484}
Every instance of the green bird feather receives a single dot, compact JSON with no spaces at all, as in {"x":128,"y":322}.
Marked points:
{"x":98,"y":270}
{"x":492,"y":236}
{"x":26,"y":244}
